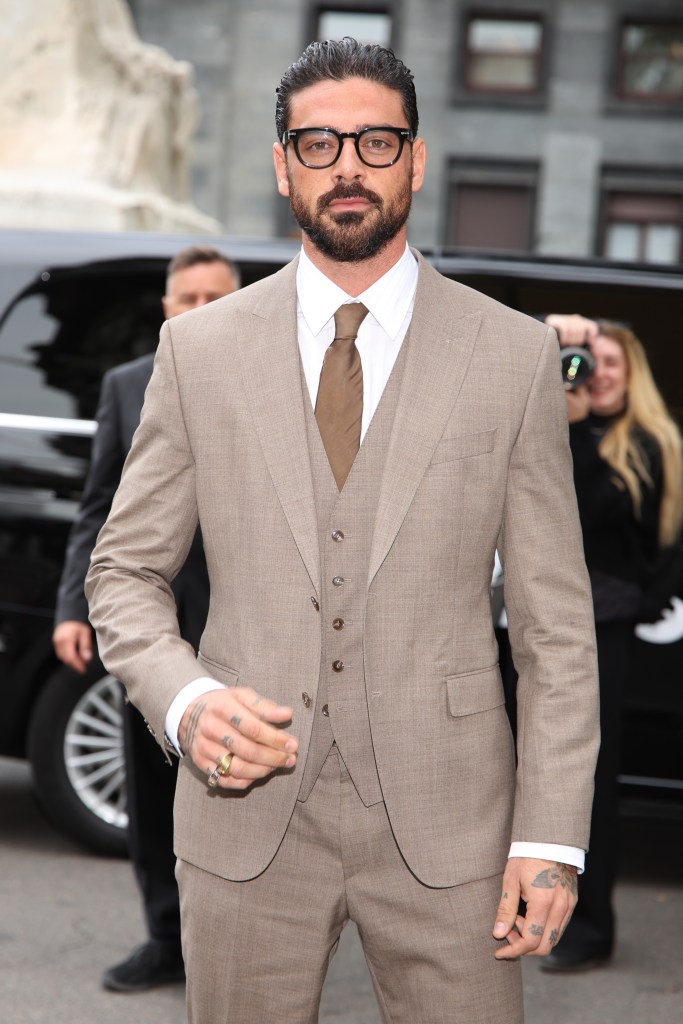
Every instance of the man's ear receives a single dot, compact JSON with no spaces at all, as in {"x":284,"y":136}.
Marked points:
{"x":419,"y":161}
{"x":280,"y":161}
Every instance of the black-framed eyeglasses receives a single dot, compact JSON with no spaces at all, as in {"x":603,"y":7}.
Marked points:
{"x":321,"y":147}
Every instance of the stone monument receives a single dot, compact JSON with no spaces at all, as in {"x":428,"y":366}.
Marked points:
{"x":95,"y":125}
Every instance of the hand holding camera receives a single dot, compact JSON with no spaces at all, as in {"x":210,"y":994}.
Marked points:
{"x":575,"y":334}
{"x":573,"y":329}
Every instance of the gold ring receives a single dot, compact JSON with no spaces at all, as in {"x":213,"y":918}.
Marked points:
{"x":213,"y":778}
{"x":223,"y":764}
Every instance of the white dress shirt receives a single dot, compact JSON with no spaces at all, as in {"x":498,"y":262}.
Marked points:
{"x":390,"y":306}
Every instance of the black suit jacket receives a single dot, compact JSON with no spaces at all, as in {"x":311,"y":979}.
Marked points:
{"x":118,"y":415}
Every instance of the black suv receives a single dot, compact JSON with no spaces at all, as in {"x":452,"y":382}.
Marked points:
{"x":74,"y":305}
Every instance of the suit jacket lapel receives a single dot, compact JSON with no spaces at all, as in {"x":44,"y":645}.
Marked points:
{"x":272,"y":381}
{"x":440,"y":342}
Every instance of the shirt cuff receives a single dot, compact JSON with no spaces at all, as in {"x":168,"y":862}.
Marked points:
{"x":550,"y":851}
{"x":180,"y":704}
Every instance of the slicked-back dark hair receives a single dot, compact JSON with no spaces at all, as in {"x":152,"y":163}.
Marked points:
{"x":339,"y":60}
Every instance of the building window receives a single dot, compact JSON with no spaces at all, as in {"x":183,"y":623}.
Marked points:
{"x":643,"y":227}
{"x":502,"y":54}
{"x":366,"y":24}
{"x":651,"y":62}
{"x":491,"y":216}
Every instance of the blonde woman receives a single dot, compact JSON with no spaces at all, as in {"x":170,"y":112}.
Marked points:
{"x":628,"y":472}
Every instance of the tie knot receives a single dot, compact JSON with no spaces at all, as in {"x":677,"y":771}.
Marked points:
{"x":348,"y":319}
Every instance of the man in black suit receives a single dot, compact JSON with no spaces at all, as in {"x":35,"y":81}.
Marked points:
{"x":196,"y":276}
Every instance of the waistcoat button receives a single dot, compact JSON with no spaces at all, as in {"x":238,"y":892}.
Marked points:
{"x":337,"y":623}
{"x":326,"y":711}
{"x":315,"y":604}
{"x":306,"y":699}
{"x":338,"y":581}
{"x":337,"y":535}
{"x":338,"y":666}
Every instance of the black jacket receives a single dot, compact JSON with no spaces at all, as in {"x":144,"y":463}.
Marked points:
{"x":620,"y":545}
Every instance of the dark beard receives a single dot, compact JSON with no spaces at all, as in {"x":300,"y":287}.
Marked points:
{"x":348,"y":239}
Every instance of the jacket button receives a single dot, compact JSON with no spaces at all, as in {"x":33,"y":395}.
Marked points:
{"x":338,"y":581}
{"x":306,"y":699}
{"x":337,"y":535}
{"x":337,"y":623}
{"x":326,"y":711}
{"x":338,"y":666}
{"x":315,"y":604}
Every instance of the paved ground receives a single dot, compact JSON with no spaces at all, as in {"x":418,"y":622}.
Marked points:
{"x":65,"y":914}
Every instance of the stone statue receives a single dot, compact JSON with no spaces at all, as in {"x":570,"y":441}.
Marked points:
{"x":95,"y":126}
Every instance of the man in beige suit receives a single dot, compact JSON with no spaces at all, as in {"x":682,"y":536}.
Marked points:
{"x":357,"y":436}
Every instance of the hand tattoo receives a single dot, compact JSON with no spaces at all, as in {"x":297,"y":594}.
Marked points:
{"x":227,"y":741}
{"x":536,"y":929}
{"x":561,"y":874}
{"x":187,"y":739}
{"x":235,"y":720}
{"x":553,"y":937}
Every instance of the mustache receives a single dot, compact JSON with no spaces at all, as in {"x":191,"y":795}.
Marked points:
{"x":353,"y":191}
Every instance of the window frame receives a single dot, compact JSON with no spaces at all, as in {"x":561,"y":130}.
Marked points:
{"x":505,"y":92}
{"x":612,"y":193}
{"x":315,"y":11}
{"x":638,"y":183}
{"x":487,"y":173}
{"x":629,"y":96}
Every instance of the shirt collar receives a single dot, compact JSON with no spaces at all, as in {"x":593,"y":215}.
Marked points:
{"x":388,"y":299}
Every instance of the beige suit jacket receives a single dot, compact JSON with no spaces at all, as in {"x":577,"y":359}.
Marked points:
{"x":478,"y":458}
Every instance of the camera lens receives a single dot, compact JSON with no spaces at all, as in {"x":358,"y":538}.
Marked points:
{"x":577,"y":366}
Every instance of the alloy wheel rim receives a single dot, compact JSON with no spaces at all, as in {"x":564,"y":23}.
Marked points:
{"x":93,"y":752}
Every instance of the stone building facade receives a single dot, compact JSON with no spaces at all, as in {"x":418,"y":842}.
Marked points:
{"x":552,"y":126}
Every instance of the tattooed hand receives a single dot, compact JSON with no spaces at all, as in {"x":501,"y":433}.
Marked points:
{"x":238,"y":721}
{"x":549,"y":891}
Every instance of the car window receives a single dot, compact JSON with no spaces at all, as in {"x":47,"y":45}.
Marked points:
{"x":63,"y":333}
{"x":22,"y":389}
{"x":653,"y":312}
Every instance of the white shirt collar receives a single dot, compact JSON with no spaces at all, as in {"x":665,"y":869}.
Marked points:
{"x":388,"y":299}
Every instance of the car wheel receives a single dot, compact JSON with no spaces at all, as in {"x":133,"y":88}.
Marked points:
{"x":75,"y":746}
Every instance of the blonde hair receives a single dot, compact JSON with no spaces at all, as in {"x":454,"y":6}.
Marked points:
{"x":645,"y":409}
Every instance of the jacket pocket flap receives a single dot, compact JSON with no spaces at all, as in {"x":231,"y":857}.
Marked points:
{"x":473,"y":692}
{"x":222,"y":673}
{"x":464,"y":446}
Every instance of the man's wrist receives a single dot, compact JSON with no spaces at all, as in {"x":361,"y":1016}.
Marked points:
{"x":572,"y":855}
{"x":180,"y":704}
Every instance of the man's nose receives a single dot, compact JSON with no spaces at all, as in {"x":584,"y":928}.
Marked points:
{"x":349,"y":164}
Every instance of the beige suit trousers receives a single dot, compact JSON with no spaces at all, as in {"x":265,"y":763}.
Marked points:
{"x":259,"y":950}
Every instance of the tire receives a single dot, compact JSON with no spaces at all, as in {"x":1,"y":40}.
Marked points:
{"x":75,"y":746}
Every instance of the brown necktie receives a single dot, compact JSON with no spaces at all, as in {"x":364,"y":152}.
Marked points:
{"x":339,"y":406}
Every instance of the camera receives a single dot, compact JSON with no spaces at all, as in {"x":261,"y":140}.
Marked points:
{"x":577,"y":366}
